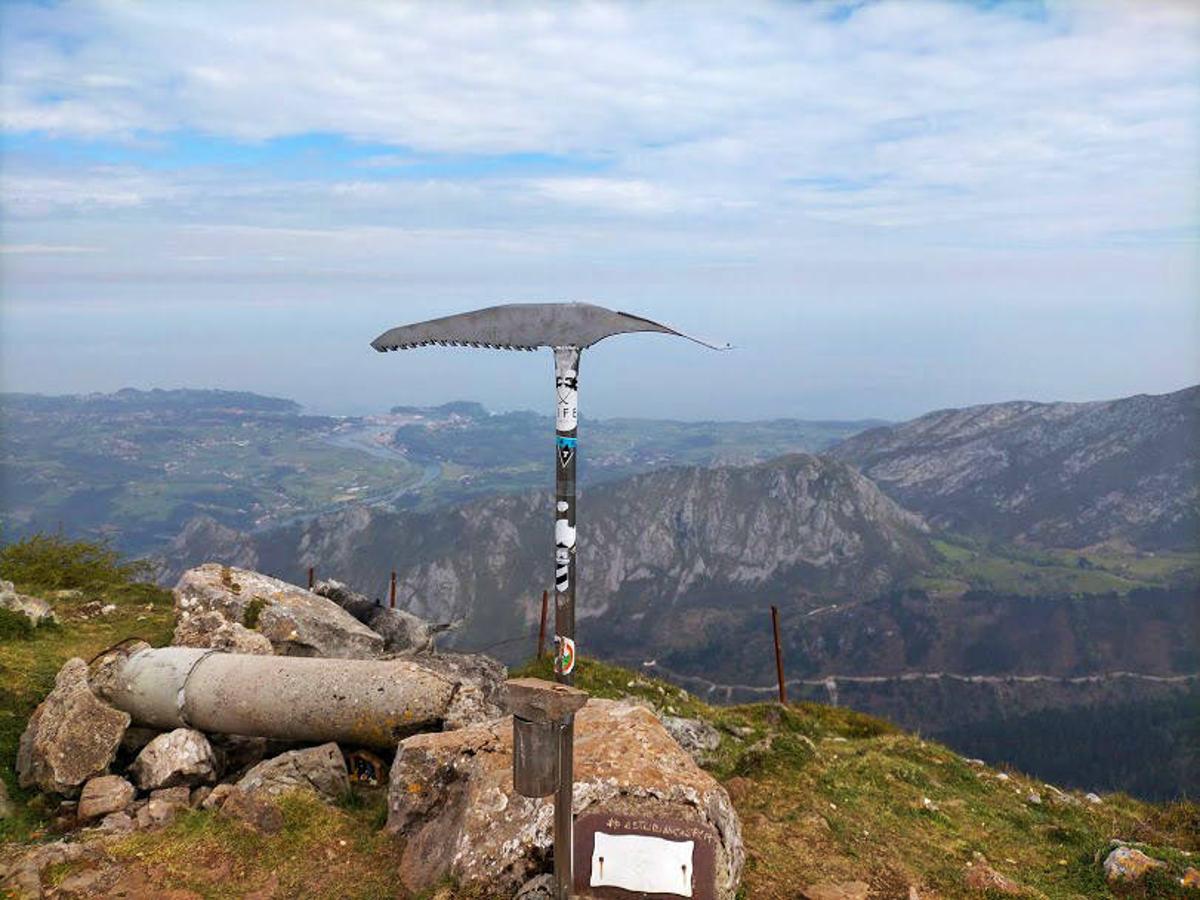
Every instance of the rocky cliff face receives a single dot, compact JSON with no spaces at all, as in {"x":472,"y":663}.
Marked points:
{"x":800,"y":525}
{"x":1059,"y":474}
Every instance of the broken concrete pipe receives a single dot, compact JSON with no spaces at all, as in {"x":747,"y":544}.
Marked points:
{"x":370,"y":703}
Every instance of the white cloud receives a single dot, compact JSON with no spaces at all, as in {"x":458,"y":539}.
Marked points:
{"x":907,"y":106}
{"x":95,"y":188}
{"x":765,"y":157}
{"x":45,"y":249}
{"x":620,"y":195}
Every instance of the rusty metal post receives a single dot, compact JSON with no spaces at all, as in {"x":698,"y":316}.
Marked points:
{"x":311,"y":577}
{"x":392,"y":593}
{"x":541,"y":644}
{"x":778,"y":656}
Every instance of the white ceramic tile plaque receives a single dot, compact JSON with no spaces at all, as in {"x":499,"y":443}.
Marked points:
{"x":641,"y":862}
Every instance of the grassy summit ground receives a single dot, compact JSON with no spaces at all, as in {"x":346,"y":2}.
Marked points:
{"x":831,"y":795}
{"x":79,"y":580}
{"x":824,"y":794}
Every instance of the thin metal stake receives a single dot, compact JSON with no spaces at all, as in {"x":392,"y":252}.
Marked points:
{"x":778,"y":656}
{"x":311,"y":577}
{"x":392,"y":601}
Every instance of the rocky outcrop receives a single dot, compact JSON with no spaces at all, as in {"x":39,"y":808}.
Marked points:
{"x":228,"y":545}
{"x":296,"y":622}
{"x":320,"y":769}
{"x":696,"y":737}
{"x":982,"y":878}
{"x":71,"y":736}
{"x":255,"y":809}
{"x":451,"y":797}
{"x":35,"y":609}
{"x":1125,"y":865}
{"x":402,"y":632}
{"x":656,"y":544}
{"x":103,"y":795}
{"x":1060,"y":474}
{"x":24,"y":878}
{"x":211,"y":629}
{"x":179,"y":757}
{"x":162,"y":807}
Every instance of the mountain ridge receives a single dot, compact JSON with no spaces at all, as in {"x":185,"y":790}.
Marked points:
{"x":698,"y":528}
{"x":1054,"y":474}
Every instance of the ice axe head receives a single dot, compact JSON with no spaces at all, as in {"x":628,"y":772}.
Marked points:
{"x":524,"y":326}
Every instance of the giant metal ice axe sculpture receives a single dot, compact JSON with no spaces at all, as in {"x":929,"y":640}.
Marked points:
{"x":567,"y":328}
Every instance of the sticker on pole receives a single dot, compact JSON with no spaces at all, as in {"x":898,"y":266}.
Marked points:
{"x":566,"y":449}
{"x":564,"y":659}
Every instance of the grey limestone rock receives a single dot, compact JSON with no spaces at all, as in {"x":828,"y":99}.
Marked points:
{"x":402,"y":632}
{"x":180,"y":757}
{"x":71,"y":736}
{"x":35,"y":609}
{"x":103,"y":795}
{"x":297,"y":622}
{"x":320,"y":769}
{"x":451,"y":798}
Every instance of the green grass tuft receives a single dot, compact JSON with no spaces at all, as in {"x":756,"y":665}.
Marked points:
{"x":253,"y":612}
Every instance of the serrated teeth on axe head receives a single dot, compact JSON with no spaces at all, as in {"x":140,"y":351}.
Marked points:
{"x":523,"y":326}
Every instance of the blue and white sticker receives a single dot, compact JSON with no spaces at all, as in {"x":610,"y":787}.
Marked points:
{"x":566,"y":449}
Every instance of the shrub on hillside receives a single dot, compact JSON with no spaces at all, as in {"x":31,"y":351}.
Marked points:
{"x":14,"y":625}
{"x":50,"y":562}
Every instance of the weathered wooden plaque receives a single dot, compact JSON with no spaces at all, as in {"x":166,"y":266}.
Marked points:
{"x":631,"y":857}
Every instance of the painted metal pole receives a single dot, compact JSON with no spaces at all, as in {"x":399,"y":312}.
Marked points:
{"x":566,"y":426}
{"x":541,"y":644}
{"x":778,"y":656}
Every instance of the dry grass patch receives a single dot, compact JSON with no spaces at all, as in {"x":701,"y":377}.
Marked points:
{"x":321,"y":852}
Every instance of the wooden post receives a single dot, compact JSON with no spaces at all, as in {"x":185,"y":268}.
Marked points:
{"x":311,"y":576}
{"x":541,"y":644}
{"x":392,"y":600}
{"x":778,"y":656}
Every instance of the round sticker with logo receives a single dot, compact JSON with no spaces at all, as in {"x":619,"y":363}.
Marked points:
{"x":565,"y":661}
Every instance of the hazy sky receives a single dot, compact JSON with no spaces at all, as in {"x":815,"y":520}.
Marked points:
{"x":888,"y":207}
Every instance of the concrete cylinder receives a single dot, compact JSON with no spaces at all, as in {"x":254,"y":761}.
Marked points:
{"x":372,"y":703}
